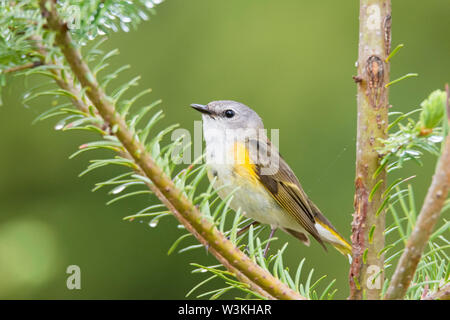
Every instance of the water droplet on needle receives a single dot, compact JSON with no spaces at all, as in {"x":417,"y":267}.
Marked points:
{"x":153,"y":223}
{"x":118,"y":189}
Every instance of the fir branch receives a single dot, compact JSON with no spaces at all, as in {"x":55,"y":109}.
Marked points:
{"x":224,"y":250}
{"x":427,"y":219}
{"x":67,"y":83}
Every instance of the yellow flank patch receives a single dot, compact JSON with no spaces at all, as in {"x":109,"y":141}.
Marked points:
{"x":242,"y":164}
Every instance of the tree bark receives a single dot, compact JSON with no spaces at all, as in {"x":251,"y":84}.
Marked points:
{"x":366,"y":271}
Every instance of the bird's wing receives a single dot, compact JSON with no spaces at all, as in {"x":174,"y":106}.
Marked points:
{"x":283,"y":185}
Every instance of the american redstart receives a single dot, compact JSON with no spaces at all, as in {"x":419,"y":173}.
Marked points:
{"x":241,"y":160}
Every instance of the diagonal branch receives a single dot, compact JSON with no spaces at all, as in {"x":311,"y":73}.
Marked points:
{"x":427,"y":219}
{"x":223,"y":249}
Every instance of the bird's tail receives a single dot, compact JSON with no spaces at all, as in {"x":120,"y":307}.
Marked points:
{"x":345,"y":248}
{"x":329,"y":234}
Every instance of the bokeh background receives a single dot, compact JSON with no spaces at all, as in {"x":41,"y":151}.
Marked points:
{"x":291,"y":60}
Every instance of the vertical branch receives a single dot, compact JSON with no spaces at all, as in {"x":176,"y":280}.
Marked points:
{"x":427,"y":219}
{"x":366,"y":271}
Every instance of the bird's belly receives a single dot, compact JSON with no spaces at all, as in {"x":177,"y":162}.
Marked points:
{"x":249,"y":195}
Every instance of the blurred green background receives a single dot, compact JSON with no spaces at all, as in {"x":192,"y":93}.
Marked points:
{"x":292,"y":61}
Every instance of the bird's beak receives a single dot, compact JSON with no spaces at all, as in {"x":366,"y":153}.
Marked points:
{"x":201,"y":108}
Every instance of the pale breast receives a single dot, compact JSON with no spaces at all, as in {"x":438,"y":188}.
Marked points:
{"x":255,"y":202}
{"x":235,"y":175}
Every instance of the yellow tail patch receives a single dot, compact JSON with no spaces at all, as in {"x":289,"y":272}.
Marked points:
{"x":335,"y":239}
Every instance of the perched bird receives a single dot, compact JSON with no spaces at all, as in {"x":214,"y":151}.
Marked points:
{"x":241,"y":160}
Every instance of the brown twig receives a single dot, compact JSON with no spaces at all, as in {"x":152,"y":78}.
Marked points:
{"x":427,"y":219}
{"x":426,"y":289}
{"x":22,"y":67}
{"x":223,"y":249}
{"x":441,"y":294}
{"x":366,"y":271}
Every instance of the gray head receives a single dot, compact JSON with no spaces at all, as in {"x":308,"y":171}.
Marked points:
{"x":227,"y":114}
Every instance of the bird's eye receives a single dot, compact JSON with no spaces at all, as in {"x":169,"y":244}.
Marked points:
{"x":229,"y":113}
